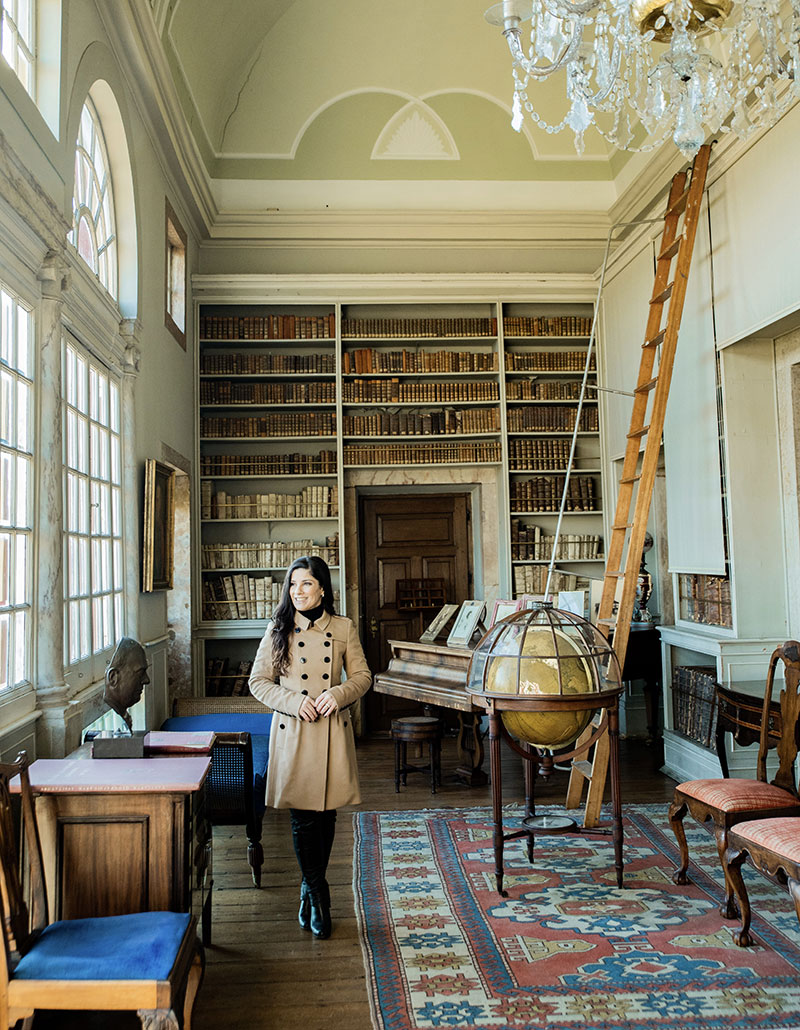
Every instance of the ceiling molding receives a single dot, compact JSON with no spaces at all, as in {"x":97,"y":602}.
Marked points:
{"x":352,"y":288}
{"x":132,"y":33}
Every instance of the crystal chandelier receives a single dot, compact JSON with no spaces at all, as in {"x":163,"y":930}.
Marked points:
{"x":642,"y":70}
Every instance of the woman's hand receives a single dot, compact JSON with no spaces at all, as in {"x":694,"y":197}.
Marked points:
{"x":326,"y":704}
{"x":307,"y":711}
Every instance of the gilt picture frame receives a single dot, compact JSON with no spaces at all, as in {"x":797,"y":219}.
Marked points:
{"x":158,"y":532}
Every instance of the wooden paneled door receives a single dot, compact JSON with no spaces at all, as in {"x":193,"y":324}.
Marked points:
{"x":407,"y":536}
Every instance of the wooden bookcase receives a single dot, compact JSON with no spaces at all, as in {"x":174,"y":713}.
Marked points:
{"x":294,"y":399}
{"x":544,"y":350}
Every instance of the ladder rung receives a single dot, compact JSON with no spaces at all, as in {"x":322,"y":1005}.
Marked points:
{"x":624,"y":525}
{"x":607,"y":622}
{"x":680,"y":204}
{"x":637,"y":434}
{"x":671,"y":249}
{"x":583,"y":767}
{"x":665,"y":294}
{"x":647,"y":387}
{"x":657,"y":340}
{"x":630,"y":479}
{"x":615,"y":575}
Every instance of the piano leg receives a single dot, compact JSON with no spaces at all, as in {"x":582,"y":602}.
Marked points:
{"x":470,"y":750}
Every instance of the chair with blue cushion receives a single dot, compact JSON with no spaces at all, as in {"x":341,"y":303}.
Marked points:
{"x":236,"y":785}
{"x":148,"y":962}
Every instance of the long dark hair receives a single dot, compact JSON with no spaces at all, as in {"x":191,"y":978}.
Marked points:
{"x":283,"y":616}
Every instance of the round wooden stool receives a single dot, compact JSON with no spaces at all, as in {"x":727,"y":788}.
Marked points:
{"x":417,"y":729}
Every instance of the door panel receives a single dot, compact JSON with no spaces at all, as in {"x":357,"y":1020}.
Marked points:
{"x":407,"y":537}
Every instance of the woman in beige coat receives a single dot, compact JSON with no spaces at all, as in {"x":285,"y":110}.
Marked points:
{"x":312,"y":768}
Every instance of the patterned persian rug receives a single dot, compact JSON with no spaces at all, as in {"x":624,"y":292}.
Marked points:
{"x":567,"y":949}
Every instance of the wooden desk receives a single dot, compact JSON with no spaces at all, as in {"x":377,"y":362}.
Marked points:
{"x":124,"y":835}
{"x":436,"y":676}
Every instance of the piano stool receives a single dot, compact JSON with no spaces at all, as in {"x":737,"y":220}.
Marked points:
{"x":417,"y":729}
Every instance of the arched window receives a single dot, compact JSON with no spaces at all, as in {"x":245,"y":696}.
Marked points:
{"x":93,"y":232}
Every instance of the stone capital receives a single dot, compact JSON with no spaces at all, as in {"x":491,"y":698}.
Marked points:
{"x":53,"y":276}
{"x":129,"y":330}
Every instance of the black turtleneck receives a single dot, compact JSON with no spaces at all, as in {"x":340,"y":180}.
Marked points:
{"x":312,"y":614}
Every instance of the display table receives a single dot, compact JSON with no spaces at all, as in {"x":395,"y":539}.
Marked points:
{"x":124,"y":835}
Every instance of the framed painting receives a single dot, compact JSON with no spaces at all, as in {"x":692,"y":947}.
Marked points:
{"x":466,"y":623}
{"x":158,"y":536}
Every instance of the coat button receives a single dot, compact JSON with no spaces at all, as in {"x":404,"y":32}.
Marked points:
{"x":304,"y":676}
{"x":301,"y":643}
{"x":325,"y":676}
{"x":329,"y":634}
{"x":327,"y":643}
{"x":344,"y":723}
{"x":303,"y":661}
{"x":297,"y":629}
{"x":325,"y":659}
{"x":282,"y":726}
{"x":304,"y":692}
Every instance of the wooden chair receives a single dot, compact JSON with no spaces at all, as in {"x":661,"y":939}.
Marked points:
{"x":236,"y":785}
{"x":773,"y":847}
{"x":149,"y":962}
{"x":726,"y":802}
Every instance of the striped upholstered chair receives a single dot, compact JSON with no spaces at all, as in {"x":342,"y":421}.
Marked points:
{"x":726,"y":802}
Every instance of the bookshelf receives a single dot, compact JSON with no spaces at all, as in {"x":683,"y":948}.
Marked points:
{"x":295,"y":401}
{"x":544,"y":351}
{"x":269,"y":469}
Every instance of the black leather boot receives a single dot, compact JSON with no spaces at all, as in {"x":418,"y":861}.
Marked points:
{"x":321,"y":912}
{"x":304,"y":915}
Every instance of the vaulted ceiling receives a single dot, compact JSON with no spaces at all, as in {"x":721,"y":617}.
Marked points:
{"x":374,"y":106}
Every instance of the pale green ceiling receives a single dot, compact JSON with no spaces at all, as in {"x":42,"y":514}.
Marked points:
{"x":304,"y":89}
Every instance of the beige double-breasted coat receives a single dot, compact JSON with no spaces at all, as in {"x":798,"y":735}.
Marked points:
{"x":312,"y":765}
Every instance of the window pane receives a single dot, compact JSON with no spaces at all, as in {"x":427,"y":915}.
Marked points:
{"x":5,"y":656}
{"x":6,"y":488}
{"x":93,"y":230}
{"x":6,"y":407}
{"x":20,"y":649}
{"x":23,"y":415}
{"x":114,"y":407}
{"x":22,"y":518}
{"x":21,"y":570}
{"x":5,"y":569}
{"x":24,"y":342}
{"x":6,"y":328}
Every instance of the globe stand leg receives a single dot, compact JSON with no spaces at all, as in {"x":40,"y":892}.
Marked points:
{"x":497,"y":798}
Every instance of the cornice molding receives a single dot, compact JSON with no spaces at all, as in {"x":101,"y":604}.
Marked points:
{"x":352,"y":288}
{"x":29,"y":201}
{"x":133,"y":35}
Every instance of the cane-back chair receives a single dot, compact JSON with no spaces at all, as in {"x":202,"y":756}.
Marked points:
{"x":148,"y":962}
{"x":726,"y":802}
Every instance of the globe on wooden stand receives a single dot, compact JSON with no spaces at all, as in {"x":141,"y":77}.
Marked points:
{"x":542,"y":675}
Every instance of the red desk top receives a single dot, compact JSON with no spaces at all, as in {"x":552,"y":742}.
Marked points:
{"x":176,"y":774}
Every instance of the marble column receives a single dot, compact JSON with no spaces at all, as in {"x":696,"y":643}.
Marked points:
{"x":129,"y":331}
{"x":52,"y":692}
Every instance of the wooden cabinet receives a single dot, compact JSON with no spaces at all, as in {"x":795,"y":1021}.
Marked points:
{"x":122,"y":836}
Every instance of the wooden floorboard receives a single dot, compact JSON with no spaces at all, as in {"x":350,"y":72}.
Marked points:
{"x":262,"y":970}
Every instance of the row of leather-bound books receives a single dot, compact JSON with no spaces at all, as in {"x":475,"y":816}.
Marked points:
{"x":543,"y":493}
{"x":393,"y":391}
{"x":437,"y":453}
{"x":268,"y":554}
{"x":538,"y":452}
{"x":369,"y":360}
{"x":388,"y":328}
{"x":552,"y":419}
{"x":228,"y":392}
{"x":242,"y":596}
{"x":221,"y":465}
{"x":547,"y":325}
{"x":548,"y":361}
{"x":422,"y":423}
{"x":267,"y":327}
{"x":532,"y":543}
{"x":241,"y":363}
{"x":556,"y":390}
{"x":315,"y":502}
{"x":532,"y":579}
{"x":290,"y":423}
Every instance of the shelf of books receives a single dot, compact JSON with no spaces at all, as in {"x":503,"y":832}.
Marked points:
{"x":420,"y":385}
{"x":269,"y":471}
{"x":544,"y":356}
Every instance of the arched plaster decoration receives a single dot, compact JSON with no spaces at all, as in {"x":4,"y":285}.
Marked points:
{"x":94,"y":77}
{"x":415,"y":133}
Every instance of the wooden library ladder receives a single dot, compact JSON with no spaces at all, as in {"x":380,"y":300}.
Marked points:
{"x":638,"y":477}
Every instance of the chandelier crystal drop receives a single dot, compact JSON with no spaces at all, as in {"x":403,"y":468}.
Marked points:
{"x":640,"y":71}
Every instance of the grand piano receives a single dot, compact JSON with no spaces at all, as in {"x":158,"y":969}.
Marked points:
{"x":436,"y":676}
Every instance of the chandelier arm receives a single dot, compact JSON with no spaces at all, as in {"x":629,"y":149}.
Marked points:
{"x":541,"y":71}
{"x":616,"y":61}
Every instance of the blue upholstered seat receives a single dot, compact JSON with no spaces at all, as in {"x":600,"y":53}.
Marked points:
{"x":141,"y":946}
{"x":256,"y":724}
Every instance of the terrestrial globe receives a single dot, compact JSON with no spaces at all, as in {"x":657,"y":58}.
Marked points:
{"x":535,"y":664}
